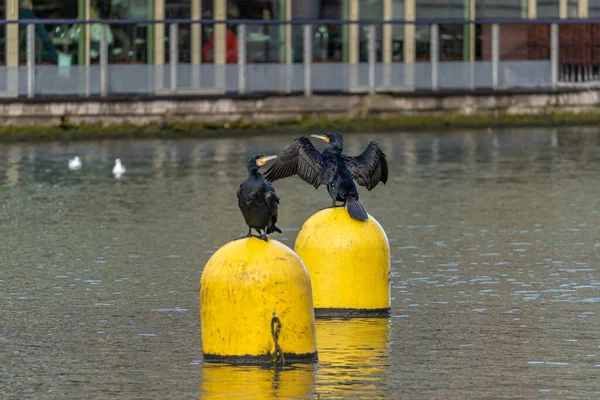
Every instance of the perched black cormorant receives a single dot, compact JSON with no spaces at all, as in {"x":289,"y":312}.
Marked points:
{"x":333,"y":169}
{"x":257,"y":199}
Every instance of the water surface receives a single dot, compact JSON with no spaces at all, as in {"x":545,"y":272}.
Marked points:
{"x":495,"y":256}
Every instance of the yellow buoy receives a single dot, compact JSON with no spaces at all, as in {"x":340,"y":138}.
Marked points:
{"x":348,"y":262}
{"x":256,"y":304}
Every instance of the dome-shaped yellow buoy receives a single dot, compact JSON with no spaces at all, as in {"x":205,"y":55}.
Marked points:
{"x":349,"y":264}
{"x":256,"y":305}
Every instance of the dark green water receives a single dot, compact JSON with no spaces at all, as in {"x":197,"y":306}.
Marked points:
{"x":495,"y":245}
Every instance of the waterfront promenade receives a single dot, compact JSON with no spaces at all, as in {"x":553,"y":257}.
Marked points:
{"x":536,"y":79}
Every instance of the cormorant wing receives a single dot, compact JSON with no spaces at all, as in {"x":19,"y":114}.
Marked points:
{"x":272,"y":201}
{"x":370,"y":167}
{"x":302,"y":159}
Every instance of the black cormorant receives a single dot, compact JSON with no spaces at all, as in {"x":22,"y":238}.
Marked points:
{"x":333,"y":169}
{"x":257,"y":199}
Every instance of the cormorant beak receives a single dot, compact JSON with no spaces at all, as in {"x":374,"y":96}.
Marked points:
{"x":263,"y":160}
{"x":322,"y":137}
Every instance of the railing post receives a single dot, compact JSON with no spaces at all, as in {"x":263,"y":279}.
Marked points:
{"x":103,"y":62}
{"x":554,"y":54}
{"x":472,"y":73}
{"x":288,"y":56}
{"x":353,"y":43}
{"x":11,"y":47}
{"x":196,"y":42}
{"x":173,"y":54}
{"x":158,"y":28}
{"x":307,"y":52}
{"x":30,"y":60}
{"x":241,"y":58}
{"x":409,"y":50}
{"x":387,"y":43}
{"x":495,"y":54}
{"x":434,"y":55}
{"x":220,"y":45}
{"x":372,"y":56}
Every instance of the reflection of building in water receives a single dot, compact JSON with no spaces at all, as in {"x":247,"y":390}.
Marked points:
{"x":352,"y":355}
{"x":13,"y":164}
{"x":158,"y":161}
{"x":257,"y":383}
{"x":577,"y":144}
{"x":409,"y":151}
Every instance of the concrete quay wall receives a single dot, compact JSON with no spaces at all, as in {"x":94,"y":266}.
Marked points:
{"x":273,"y":109}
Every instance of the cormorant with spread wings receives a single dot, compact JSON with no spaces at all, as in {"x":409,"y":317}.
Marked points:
{"x":333,"y":169}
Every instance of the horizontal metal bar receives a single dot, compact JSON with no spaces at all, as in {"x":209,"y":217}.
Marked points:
{"x":304,"y":21}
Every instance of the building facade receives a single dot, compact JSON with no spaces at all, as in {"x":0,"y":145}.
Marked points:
{"x":147,"y":43}
{"x":144,"y":39}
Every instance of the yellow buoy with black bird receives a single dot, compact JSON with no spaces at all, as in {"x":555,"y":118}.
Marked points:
{"x":256,"y":301}
{"x":257,"y":199}
{"x":349,"y":264}
{"x":346,"y":252}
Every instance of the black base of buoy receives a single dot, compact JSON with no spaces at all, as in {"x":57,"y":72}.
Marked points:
{"x":323,"y":313}
{"x":261,"y":360}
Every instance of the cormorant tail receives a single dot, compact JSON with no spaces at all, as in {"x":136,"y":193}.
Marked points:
{"x":273,"y":228}
{"x":356,"y":210}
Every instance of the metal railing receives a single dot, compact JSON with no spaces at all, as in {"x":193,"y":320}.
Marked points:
{"x":306,"y":77}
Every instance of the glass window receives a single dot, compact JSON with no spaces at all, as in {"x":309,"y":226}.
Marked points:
{"x":2,"y":34}
{"x":182,"y":9}
{"x":440,"y":9}
{"x":179,"y":9}
{"x":54,"y":44}
{"x":264,"y":43}
{"x":594,"y":8}
{"x":127,"y":43}
{"x":572,"y":9}
{"x":397,"y":31}
{"x":451,"y":36}
{"x":510,"y":9}
{"x":330,"y":41}
{"x":208,"y":13}
{"x":370,"y":9}
{"x":547,"y":9}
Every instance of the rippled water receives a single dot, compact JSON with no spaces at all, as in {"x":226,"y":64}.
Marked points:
{"x":495,"y":252}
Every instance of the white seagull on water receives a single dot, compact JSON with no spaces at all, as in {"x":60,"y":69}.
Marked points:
{"x":118,"y":169}
{"x":74,"y":163}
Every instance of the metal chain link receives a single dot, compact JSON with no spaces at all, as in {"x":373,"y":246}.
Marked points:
{"x":275,"y":329}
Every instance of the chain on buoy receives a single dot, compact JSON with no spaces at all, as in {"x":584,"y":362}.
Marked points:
{"x":275,"y":329}
{"x":241,"y":286}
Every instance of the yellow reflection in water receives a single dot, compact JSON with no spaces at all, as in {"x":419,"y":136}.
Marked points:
{"x":253,"y":382}
{"x":353,"y":363}
{"x":353,"y":357}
